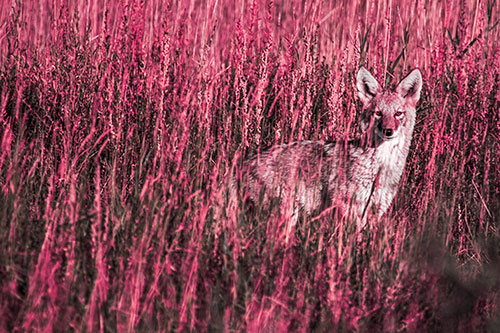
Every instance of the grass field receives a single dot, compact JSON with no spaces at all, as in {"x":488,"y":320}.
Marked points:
{"x":121,"y":121}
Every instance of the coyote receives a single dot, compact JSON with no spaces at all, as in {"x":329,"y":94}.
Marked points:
{"x":354,"y":178}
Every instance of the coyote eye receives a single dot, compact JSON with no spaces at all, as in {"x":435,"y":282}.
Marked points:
{"x":398,"y":114}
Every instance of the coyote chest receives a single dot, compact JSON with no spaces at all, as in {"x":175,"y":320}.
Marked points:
{"x":374,"y":177}
{"x":358,"y":177}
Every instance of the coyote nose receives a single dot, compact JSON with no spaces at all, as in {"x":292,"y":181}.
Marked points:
{"x":388,"y":132}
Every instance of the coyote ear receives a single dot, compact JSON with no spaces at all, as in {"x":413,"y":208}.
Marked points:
{"x":367,"y":86}
{"x":409,"y":88}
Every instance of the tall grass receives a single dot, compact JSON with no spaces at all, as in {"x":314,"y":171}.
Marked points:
{"x":121,"y":122}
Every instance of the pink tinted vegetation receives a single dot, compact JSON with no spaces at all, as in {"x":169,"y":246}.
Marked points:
{"x":122,"y":121}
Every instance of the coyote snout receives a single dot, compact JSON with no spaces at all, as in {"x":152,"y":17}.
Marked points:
{"x":354,"y":177}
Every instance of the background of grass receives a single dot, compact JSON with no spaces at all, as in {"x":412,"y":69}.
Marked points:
{"x":121,"y":121}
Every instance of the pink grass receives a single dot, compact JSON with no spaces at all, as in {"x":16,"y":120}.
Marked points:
{"x":121,"y":122}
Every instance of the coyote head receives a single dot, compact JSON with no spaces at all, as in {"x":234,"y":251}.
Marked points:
{"x":386,"y":113}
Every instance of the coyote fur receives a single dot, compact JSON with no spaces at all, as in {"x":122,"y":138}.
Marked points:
{"x":356,"y":178}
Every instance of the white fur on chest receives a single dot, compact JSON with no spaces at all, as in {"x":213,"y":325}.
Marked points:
{"x":391,"y":155}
